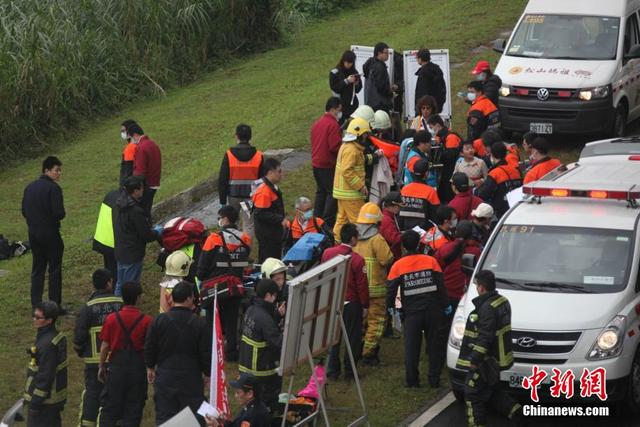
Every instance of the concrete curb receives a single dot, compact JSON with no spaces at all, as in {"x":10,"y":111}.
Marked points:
{"x":414,"y":416}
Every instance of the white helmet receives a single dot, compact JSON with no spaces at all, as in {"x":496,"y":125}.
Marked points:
{"x":178,"y":264}
{"x":364,"y":112}
{"x":381,"y":120}
{"x":272,"y":266}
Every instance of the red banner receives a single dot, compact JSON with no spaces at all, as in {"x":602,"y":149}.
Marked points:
{"x":218,"y":392}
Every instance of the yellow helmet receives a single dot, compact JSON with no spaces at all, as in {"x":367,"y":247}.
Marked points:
{"x":272,"y":266}
{"x":382,"y":120}
{"x":356,"y":128}
{"x":178,"y":264}
{"x":364,"y":112}
{"x":369,"y":214}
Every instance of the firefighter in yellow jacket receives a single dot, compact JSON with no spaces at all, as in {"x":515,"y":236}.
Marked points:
{"x":349,"y":187}
{"x":377,"y":256}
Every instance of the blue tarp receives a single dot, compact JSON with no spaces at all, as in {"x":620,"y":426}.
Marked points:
{"x":303,"y":249}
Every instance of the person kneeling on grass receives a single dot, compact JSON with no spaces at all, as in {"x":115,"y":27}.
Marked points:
{"x":254,"y":412}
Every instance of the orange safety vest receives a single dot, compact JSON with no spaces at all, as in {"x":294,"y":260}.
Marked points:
{"x":478,"y":145}
{"x":414,"y":196}
{"x":129,"y":152}
{"x":313,"y":226}
{"x":541,"y":169}
{"x":434,"y":238}
{"x":451,"y":141}
{"x":513,"y":156}
{"x":242,"y":174}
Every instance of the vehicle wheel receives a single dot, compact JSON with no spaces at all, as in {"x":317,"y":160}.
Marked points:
{"x":459,"y":395}
{"x":620,"y":121}
{"x":632,"y":400}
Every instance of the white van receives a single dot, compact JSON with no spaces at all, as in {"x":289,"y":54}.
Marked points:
{"x":571,"y":67}
{"x":567,"y":259}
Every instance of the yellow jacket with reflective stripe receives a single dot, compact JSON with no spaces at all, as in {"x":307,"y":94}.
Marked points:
{"x":350,"y":173}
{"x":377,"y":257}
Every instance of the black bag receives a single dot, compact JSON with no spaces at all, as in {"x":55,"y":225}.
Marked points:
{"x":5,"y":248}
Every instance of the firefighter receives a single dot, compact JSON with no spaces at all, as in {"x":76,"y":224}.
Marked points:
{"x":125,"y":384}
{"x":542,"y":164}
{"x":224,"y":257}
{"x":268,"y":212}
{"x":103,"y":238}
{"x":424,"y":303}
{"x":261,"y":343}
{"x":177,"y":268}
{"x":420,"y":200}
{"x":177,"y":353}
{"x":349,"y":186}
{"x":442,"y":230}
{"x":482,"y":114}
{"x":46,"y":386}
{"x":485,"y":351}
{"x":87,"y":344}
{"x":501,"y":179}
{"x":451,"y":144}
{"x":306,"y":222}
{"x":129,"y":151}
{"x":377,"y":256}
{"x":241,"y":166}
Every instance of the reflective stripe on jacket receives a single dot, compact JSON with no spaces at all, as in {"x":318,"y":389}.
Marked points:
{"x":242,"y":174}
{"x":350,"y":172}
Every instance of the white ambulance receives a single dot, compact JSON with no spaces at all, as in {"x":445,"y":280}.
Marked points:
{"x":567,"y":259}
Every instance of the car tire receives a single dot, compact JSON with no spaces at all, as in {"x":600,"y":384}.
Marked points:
{"x":459,"y":395}
{"x":632,"y":399}
{"x":620,"y":121}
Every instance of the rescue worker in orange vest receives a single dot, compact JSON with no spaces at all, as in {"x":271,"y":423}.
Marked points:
{"x":241,"y":166}
{"x":451,"y":144}
{"x":268,"y":212}
{"x":501,"y":179}
{"x":129,"y":152}
{"x":442,"y":230}
{"x":305,"y":222}
{"x":377,"y":256}
{"x":482,"y":114}
{"x":424,"y":305}
{"x":225,"y":255}
{"x":419,"y":199}
{"x":542,"y":163}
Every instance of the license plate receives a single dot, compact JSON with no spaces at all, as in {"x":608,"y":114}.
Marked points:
{"x":515,"y":379}
{"x":541,"y":128}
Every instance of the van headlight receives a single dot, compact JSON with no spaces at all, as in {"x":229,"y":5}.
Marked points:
{"x":595,"y":93}
{"x":505,"y":91}
{"x":457,"y":331}
{"x":609,"y":342}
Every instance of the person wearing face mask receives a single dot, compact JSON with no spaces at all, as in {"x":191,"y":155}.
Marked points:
{"x":485,"y":351}
{"x":491,"y":82}
{"x":482,"y":114}
{"x":345,"y":82}
{"x":305,"y":222}
{"x":262,"y":342}
{"x":326,"y":138}
{"x":501,"y":179}
{"x":147,"y":163}
{"x":442,"y":231}
{"x":224,"y":256}
{"x":430,"y":80}
{"x":451,"y":144}
{"x":129,"y":152}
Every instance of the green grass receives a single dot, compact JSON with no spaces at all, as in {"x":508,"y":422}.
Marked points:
{"x":279,"y":93}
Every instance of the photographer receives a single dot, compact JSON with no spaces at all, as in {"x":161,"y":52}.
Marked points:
{"x":345,"y":82}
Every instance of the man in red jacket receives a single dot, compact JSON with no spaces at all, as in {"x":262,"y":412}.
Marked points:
{"x":147,"y":163}
{"x":389,"y":228}
{"x":356,"y":301}
{"x":464,"y":201}
{"x":326,"y":137}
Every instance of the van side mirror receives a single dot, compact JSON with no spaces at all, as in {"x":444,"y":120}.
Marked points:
{"x":634,"y":53}
{"x":499,"y":45}
{"x":468,"y":264}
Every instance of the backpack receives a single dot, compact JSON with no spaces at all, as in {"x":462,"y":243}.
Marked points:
{"x":180,"y":231}
{"x":5,"y":248}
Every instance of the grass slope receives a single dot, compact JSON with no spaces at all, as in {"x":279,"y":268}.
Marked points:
{"x":279,"y":93}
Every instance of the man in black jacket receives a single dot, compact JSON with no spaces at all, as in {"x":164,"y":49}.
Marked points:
{"x":241,"y":165}
{"x":378,"y":92}
{"x":46,"y":385}
{"x":87,"y":344}
{"x":177,"y":352}
{"x":430,"y":80}
{"x":132,"y":230}
{"x":261,"y":343}
{"x":43,"y":208}
{"x":268,"y":212}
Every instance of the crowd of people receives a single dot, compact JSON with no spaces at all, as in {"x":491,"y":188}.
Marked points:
{"x":406,"y":209}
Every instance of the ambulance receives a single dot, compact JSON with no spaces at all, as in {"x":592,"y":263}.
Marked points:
{"x":567,"y":259}
{"x":571,"y":67}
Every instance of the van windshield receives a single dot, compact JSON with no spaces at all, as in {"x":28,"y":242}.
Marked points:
{"x":566,"y":37}
{"x":560,"y":259}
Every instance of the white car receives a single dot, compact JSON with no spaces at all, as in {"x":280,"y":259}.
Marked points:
{"x":567,"y":259}
{"x":571,"y":67}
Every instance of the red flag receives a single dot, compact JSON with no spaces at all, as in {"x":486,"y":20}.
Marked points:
{"x":218,"y":391}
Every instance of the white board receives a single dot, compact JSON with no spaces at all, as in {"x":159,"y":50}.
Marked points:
{"x":440,"y":57}
{"x":363,"y":53}
{"x":316,"y":298}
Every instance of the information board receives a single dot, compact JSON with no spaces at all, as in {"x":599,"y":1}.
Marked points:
{"x":363,"y":53}
{"x":440,"y":57}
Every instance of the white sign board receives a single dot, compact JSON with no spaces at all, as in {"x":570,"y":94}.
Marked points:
{"x":363,"y":53}
{"x":440,"y":57}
